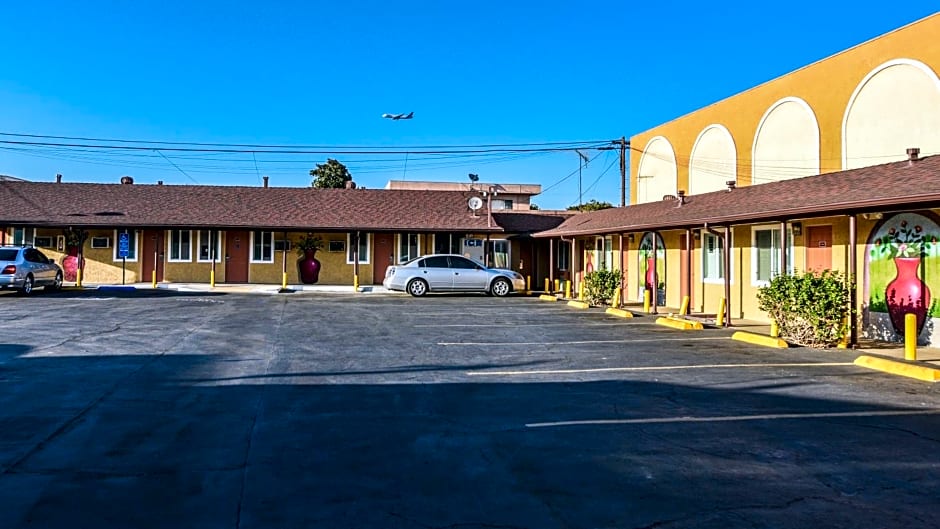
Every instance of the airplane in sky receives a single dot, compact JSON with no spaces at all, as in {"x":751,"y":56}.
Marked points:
{"x":396,"y":117}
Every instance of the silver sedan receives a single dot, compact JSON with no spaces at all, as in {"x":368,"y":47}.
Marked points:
{"x":450,"y":273}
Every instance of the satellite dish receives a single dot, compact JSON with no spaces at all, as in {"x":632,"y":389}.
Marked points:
{"x":475,"y":203}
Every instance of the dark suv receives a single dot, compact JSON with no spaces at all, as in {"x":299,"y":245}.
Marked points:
{"x":24,"y":267}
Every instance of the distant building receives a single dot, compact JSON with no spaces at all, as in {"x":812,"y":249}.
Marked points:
{"x":504,"y":196}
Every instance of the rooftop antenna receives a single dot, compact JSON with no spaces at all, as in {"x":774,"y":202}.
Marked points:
{"x":582,"y":161}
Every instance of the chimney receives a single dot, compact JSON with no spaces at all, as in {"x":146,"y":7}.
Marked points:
{"x":265,"y":178}
{"x":350,"y":184}
{"x":731,"y":184}
{"x":913,"y":154}
{"x":159,"y":182}
{"x":127,"y":180}
{"x":58,"y":178}
{"x":681,"y":194}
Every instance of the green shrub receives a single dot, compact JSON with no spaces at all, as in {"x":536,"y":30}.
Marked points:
{"x":809,"y":309}
{"x":599,"y":286}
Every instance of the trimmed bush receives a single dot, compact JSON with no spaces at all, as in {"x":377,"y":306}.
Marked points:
{"x":599,"y":286}
{"x":809,"y":309}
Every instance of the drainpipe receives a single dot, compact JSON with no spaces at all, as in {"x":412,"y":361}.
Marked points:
{"x":213,"y":241}
{"x":655,"y":293}
{"x":853,"y":284}
{"x":283,"y":254}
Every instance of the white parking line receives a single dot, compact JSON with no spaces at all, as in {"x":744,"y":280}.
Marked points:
{"x":650,"y":368}
{"x":731,"y":418}
{"x":582,"y":342}
{"x":547,"y":324}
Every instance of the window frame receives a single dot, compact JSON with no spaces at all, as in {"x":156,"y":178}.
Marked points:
{"x":452,"y":238}
{"x":563,"y":256}
{"x":218,"y":246}
{"x":774,"y":255}
{"x":720,"y":280}
{"x":131,"y":246}
{"x":172,"y":245}
{"x":399,"y":237}
{"x":489,"y":253}
{"x":349,"y":248}
{"x":270,"y":244}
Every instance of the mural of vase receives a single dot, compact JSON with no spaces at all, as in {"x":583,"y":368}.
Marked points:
{"x":651,"y":282}
{"x":70,"y":264}
{"x":907,"y":293}
{"x":309,"y":267}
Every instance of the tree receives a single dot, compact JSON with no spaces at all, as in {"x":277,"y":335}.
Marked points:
{"x":330,"y":175}
{"x":593,"y":205}
{"x":533,"y":206}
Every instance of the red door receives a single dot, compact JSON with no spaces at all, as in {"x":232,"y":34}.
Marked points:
{"x":236,"y":256}
{"x":818,"y":248}
{"x":152,"y":255}
{"x":383,"y":252}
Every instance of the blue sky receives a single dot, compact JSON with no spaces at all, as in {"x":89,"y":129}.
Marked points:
{"x":322,"y":73}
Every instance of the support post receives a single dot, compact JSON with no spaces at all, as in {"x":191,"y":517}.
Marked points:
{"x":655,"y":285}
{"x":783,"y":248}
{"x":567,"y":289}
{"x":720,"y":317}
{"x":284,"y":264}
{"x":727,"y":274}
{"x":646,"y":301}
{"x":213,"y":244}
{"x":623,"y":273}
{"x":690,"y":247}
{"x":528,"y":284}
{"x":684,"y":310}
{"x":623,"y":171}
{"x":551,"y":264}
{"x":853,"y":283}
{"x":355,"y":238}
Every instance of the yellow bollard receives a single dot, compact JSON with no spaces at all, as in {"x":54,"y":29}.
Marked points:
{"x":568,"y":289}
{"x":910,"y":337}
{"x":684,"y":309}
{"x":355,"y":282}
{"x":581,"y":291}
{"x":774,"y":329}
{"x":547,"y":287}
{"x":528,"y":284}
{"x":646,"y":301}
{"x":153,"y":279}
{"x":212,"y":278}
{"x":720,"y":320}
{"x":284,"y":280}
{"x":557,"y":285}
{"x":616,"y":301}
{"x":78,"y":278}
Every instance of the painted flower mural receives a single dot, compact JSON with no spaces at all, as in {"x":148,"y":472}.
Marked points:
{"x":902,"y":265}
{"x":648,"y":278}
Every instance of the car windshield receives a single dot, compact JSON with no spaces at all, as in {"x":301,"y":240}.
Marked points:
{"x":8,"y":254}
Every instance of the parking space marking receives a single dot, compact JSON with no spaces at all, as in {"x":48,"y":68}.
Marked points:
{"x":733,"y":418}
{"x":651,"y":368}
{"x":582,"y":342}
{"x":553,"y":324}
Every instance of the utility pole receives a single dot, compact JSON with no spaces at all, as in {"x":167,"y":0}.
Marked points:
{"x":623,"y":171}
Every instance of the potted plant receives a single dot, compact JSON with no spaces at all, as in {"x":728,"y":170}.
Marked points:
{"x":308,"y":266}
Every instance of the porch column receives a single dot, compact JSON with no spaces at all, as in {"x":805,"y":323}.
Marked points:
{"x":623,"y":273}
{"x":355,"y":239}
{"x":213,"y":241}
{"x":690,"y":247}
{"x":654,"y":295}
{"x":726,"y":258}
{"x":853,"y":284}
{"x":783,"y":248}
{"x":551,"y":264}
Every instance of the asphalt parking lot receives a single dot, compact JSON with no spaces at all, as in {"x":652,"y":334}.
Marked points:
{"x":166,"y":409}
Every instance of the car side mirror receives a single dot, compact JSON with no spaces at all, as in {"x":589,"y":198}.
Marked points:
{"x":50,"y":260}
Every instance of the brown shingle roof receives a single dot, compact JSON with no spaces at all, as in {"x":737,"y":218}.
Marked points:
{"x":894,"y":185}
{"x":530,"y":221}
{"x":115,"y":205}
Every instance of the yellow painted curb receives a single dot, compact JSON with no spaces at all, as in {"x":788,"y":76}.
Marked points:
{"x":619,"y":312}
{"x":578,"y":304}
{"x":895,"y":367}
{"x":678,"y":323}
{"x":546,"y":297}
{"x":760,"y":339}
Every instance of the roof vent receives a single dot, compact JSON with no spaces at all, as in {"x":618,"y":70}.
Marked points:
{"x":681,"y":196}
{"x":731,"y":184}
{"x":159,"y":182}
{"x":127,"y":180}
{"x":913,"y":154}
{"x":265,"y":178}
{"x":58,"y":178}
{"x":668,"y":198}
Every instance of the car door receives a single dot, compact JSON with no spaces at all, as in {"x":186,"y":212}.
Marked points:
{"x":467,"y":274}
{"x":48,"y":270}
{"x":435,"y":271}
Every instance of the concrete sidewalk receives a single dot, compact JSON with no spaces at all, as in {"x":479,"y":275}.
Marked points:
{"x":236,"y":288}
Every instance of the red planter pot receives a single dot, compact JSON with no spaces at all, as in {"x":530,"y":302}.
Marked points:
{"x":907,"y":294}
{"x":309,"y":268}
{"x":70,"y":265}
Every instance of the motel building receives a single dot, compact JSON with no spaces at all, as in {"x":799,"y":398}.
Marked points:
{"x":231,"y":234}
{"x":833,"y":166}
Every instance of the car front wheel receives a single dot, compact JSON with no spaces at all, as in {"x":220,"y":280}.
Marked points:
{"x":417,"y":287}
{"x":501,"y":287}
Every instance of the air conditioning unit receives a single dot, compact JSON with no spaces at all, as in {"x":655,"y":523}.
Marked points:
{"x":101,"y":242}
